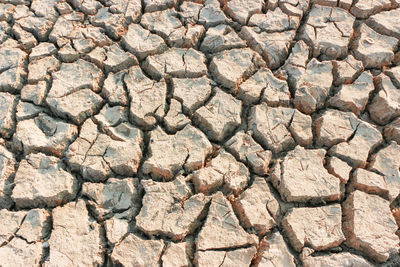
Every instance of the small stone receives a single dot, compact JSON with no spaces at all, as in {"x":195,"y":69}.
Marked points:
{"x":42,"y":181}
{"x":385,"y":106}
{"x":273,"y":47}
{"x":220,"y":117}
{"x":142,"y":42}
{"x":347,"y":70}
{"x":43,"y":134}
{"x":320,"y":228}
{"x":233,"y":66}
{"x":274,"y":129}
{"x":277,"y":252}
{"x":241,"y":11}
{"x":221,"y":37}
{"x":162,"y":23}
{"x":369,"y":182}
{"x":387,"y":162}
{"x":8,"y":104}
{"x":301,"y":177}
{"x":175,"y":120}
{"x":354,"y":97}
{"x":192,"y":93}
{"x":251,"y":207}
{"x":176,"y":62}
{"x":169,"y":209}
{"x":35,"y":226}
{"x":237,"y":257}
{"x":115,"y":196}
{"x":7,"y":162}
{"x":175,"y":255}
{"x":264,"y":86}
{"x":113,"y":89}
{"x":244,"y":147}
{"x":75,"y":237}
{"x":34,"y":92}
{"x":135,"y":251}
{"x":339,"y":168}
{"x":373,"y":49}
{"x":221,"y":229}
{"x":364,"y":216}
{"x":147,"y":97}
{"x":188,"y":148}
{"x":328,"y":31}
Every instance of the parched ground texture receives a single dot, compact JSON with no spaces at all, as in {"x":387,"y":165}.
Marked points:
{"x":199,"y":133}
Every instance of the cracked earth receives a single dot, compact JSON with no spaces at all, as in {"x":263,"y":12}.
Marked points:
{"x":199,"y":133}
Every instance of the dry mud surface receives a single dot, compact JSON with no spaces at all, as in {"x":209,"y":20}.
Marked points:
{"x":199,"y":133}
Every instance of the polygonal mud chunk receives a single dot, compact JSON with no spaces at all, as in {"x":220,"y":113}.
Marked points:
{"x":392,"y":131}
{"x":110,"y":117}
{"x":231,"y":67}
{"x":273,"y":47}
{"x":115,"y":196}
{"x":41,"y":69}
{"x":346,"y":71}
{"x":75,"y":238}
{"x":320,"y":228}
{"x":176,"y":62}
{"x":339,"y":168}
{"x":221,"y":228}
{"x":387,"y":162}
{"x":44,"y":134}
{"x":11,"y":222}
{"x":275,"y":21}
{"x":369,"y":182}
{"x":21,"y":253}
{"x":222,"y":170}
{"x":155,"y":5}
{"x":241,"y":11}
{"x":7,"y":162}
{"x":356,"y":151}
{"x":161,"y":22}
{"x":328,"y":31}
{"x":387,"y":22}
{"x":334,"y":127}
{"x":117,"y":59}
{"x":190,"y":11}
{"x":220,"y":116}
{"x":176,"y":255}
{"x":34,"y":92}
{"x":345,"y":259}
{"x":369,"y":226}
{"x":274,"y":127}
{"x":142,"y":42}
{"x":42,"y":181}
{"x":354,"y":97}
{"x":36,"y":225}
{"x":135,"y":251}
{"x":187,"y":37}
{"x":131,"y":9}
{"x":277,"y":252}
{"x":312,"y":88}
{"x":175,"y":120}
{"x":191,"y":92}
{"x":12,"y":61}
{"x":373,"y":49}
{"x":252,"y":207}
{"x":301,"y":177}
{"x":89,"y":7}
{"x":147,"y":97}
{"x":237,"y":257}
{"x":385,"y":106}
{"x":97,"y":156}
{"x":114,"y":24}
{"x":243,"y":146}
{"x":188,"y":148}
{"x":42,"y":50}
{"x":265,"y":86}
{"x":363,"y":8}
{"x":221,"y":37}
{"x":170,"y":209}
{"x":7,"y":114}
{"x":113,"y":89}
{"x":211,"y":15}
{"x":26,"y":111}
{"x":117,"y":226}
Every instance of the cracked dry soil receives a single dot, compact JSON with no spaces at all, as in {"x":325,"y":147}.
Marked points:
{"x":199,"y":133}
